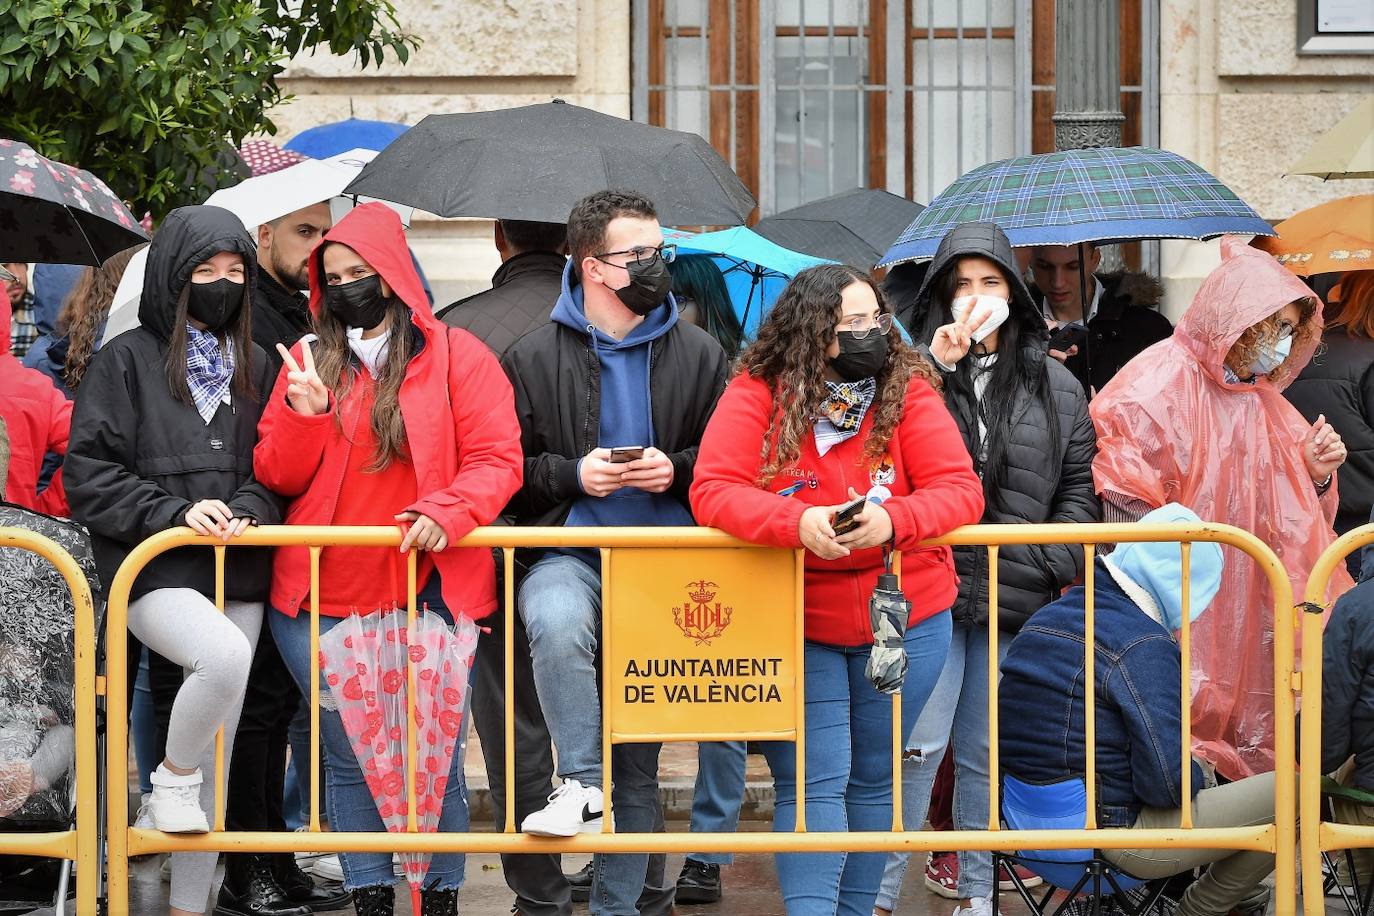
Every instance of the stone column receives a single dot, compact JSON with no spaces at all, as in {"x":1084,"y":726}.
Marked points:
{"x":1087,"y":67}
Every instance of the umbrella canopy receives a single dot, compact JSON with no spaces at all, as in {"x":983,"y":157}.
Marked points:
{"x":331,"y":139}
{"x":855,"y":227}
{"x":54,"y":213}
{"x":1344,"y":151}
{"x":264,"y":157}
{"x":536,"y":162}
{"x":1083,"y":195}
{"x":755,"y":269}
{"x":1330,"y":237}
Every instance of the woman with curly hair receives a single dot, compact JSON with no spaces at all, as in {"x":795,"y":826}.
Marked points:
{"x":1200,"y":419}
{"x":829,"y":406}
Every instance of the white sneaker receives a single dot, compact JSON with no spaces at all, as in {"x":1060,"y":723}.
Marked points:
{"x":328,"y":868}
{"x":144,"y":821}
{"x":977,"y":906}
{"x":573,"y":808}
{"x":397,"y":869}
{"x":174,"y":805}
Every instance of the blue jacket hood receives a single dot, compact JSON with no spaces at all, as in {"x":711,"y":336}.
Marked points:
{"x":1158,"y":567}
{"x":569,"y":311}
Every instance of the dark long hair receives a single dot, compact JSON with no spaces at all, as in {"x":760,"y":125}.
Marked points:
{"x":1019,"y":370}
{"x":790,"y":356}
{"x":696,"y":277}
{"x":239,"y":336}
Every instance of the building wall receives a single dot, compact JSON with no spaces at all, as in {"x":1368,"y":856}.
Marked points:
{"x":475,"y":56}
{"x":1237,"y":99}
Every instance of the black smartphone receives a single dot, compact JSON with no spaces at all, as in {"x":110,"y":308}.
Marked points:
{"x":846,"y":519}
{"x":1069,"y":335}
{"x":624,"y":454}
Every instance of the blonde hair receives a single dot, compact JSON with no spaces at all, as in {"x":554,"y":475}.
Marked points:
{"x":1262,"y":335}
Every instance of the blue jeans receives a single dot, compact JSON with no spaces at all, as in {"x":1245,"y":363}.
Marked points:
{"x":959,"y":704}
{"x":348,"y":800}
{"x":560,"y":604}
{"x":296,"y":788}
{"x":848,"y":768}
{"x":718,"y":795}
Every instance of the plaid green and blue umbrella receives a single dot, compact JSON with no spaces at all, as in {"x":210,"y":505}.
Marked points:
{"x":1085,"y":195}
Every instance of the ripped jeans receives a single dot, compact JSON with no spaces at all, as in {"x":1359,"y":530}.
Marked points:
{"x":958,"y":705}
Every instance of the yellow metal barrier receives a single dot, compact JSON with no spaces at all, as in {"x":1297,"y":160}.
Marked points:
{"x":1278,"y":838}
{"x":81,"y":844}
{"x":1319,"y":837}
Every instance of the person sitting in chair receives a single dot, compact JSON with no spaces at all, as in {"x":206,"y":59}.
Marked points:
{"x":1138,"y":607}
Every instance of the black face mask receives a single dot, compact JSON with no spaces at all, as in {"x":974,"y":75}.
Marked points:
{"x":860,"y":359}
{"x":649,"y":285}
{"x":359,"y":304}
{"x":215,"y":304}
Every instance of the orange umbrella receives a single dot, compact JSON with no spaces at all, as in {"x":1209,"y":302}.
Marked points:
{"x":1334,"y":236}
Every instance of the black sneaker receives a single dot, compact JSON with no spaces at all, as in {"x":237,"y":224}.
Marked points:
{"x":698,"y":883}
{"x":581,"y":883}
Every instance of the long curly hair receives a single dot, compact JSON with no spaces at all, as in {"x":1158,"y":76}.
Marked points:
{"x":84,"y":310}
{"x":1264,"y":334}
{"x":789,"y":355}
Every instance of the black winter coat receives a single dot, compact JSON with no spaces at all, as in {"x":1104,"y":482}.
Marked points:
{"x":139,"y":458}
{"x":1339,"y":382}
{"x":521,"y":298}
{"x":280,"y":316}
{"x":1348,"y":685}
{"x":1047,"y":459}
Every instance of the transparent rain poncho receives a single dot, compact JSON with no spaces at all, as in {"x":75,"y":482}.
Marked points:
{"x":1172,"y":428}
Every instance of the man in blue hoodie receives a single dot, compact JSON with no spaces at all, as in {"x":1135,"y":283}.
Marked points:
{"x":613,"y":396}
{"x":1138,"y":606}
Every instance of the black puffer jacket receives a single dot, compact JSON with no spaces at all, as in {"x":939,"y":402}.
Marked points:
{"x":1348,"y":685}
{"x":521,"y":298}
{"x":1047,"y":458}
{"x":139,"y":458}
{"x":1339,"y":382}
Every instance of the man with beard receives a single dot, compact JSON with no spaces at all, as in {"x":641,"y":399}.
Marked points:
{"x":280,"y":315}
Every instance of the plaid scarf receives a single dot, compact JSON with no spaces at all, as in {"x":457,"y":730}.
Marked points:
{"x":842,"y":412}
{"x":209,"y":371}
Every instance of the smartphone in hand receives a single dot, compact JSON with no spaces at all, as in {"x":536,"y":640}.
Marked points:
{"x":624,"y":454}
{"x":1070,"y":335}
{"x":846,"y":519}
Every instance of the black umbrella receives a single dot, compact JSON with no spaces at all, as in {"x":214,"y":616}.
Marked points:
{"x":56,"y":214}
{"x":535,"y":162}
{"x":856,"y":227}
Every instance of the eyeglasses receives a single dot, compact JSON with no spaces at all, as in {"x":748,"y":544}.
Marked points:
{"x":860,"y":326}
{"x":1286,"y":330}
{"x":642,"y":255}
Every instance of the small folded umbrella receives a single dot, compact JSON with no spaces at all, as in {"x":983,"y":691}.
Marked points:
{"x":855,"y":227}
{"x":888,"y":611}
{"x":325,"y":140}
{"x":1344,"y":151}
{"x":54,"y":213}
{"x":1330,"y":237}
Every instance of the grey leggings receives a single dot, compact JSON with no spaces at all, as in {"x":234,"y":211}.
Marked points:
{"x":215,"y":650}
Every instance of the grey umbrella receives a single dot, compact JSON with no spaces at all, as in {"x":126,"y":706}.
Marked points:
{"x":855,"y":227}
{"x":888,"y":610}
{"x":535,"y":162}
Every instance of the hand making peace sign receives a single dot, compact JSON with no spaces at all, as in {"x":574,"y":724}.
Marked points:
{"x":952,"y":341}
{"x":305,"y":392}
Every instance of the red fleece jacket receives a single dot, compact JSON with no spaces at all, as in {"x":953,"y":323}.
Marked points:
{"x":927,"y":468}
{"x":38,"y":419}
{"x":462,"y":434}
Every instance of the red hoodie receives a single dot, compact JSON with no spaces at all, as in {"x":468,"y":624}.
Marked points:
{"x":37,"y":419}
{"x":462,"y":435}
{"x":928,"y":470}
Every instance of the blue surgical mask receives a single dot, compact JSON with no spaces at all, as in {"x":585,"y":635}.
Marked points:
{"x":1272,"y":356}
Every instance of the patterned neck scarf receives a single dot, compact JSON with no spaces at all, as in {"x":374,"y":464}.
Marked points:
{"x":842,"y":412}
{"x":209,"y":371}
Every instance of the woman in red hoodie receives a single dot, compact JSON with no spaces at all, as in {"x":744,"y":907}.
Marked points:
{"x":829,"y":406}
{"x":385,"y":417}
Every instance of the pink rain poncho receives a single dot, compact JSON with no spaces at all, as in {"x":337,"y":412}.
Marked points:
{"x":1171,"y":428}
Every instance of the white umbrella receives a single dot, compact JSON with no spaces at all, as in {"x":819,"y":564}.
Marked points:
{"x":256,"y":201}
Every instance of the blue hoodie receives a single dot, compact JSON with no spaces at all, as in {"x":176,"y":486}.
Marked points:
{"x":626,"y":414}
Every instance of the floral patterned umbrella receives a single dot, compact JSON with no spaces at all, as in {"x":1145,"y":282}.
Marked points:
{"x":54,"y":213}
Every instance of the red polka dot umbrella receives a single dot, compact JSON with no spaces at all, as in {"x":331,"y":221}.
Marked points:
{"x":264,"y":157}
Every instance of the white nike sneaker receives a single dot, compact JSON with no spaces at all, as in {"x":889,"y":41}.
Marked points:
{"x":174,"y":805}
{"x":573,"y":808}
{"x":977,"y":906}
{"x":144,"y":821}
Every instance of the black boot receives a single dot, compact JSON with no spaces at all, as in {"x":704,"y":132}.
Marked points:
{"x":439,"y":903}
{"x":250,"y":890}
{"x":377,"y":900}
{"x":698,"y":883}
{"x":581,"y":883}
{"x":302,"y":890}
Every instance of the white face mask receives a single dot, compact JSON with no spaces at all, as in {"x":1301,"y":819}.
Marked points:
{"x":1272,"y":357}
{"x":997,"y":307}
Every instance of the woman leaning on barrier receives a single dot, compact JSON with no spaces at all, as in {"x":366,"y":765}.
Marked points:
{"x":162,"y":435}
{"x":830,"y":406}
{"x":384,"y":417}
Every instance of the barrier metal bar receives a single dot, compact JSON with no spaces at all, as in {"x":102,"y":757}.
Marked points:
{"x":1278,"y":838}
{"x":80,"y":844}
{"x":994,"y":711}
{"x":1323,"y":837}
{"x":220,"y":771}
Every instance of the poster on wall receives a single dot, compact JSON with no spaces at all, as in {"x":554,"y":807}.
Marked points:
{"x":1345,"y":16}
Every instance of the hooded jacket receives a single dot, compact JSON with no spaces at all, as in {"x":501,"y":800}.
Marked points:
{"x":139,"y":457}
{"x":1048,"y":452}
{"x":38,"y":418}
{"x":523,"y":292}
{"x":1348,"y":685}
{"x":1172,"y":428}
{"x":461,"y":432}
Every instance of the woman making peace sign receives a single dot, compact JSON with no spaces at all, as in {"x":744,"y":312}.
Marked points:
{"x":387,"y":417}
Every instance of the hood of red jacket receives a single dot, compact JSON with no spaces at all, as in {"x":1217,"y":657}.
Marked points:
{"x":375,"y":232}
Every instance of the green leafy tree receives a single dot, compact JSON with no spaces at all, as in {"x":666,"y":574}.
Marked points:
{"x":150,"y":94}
